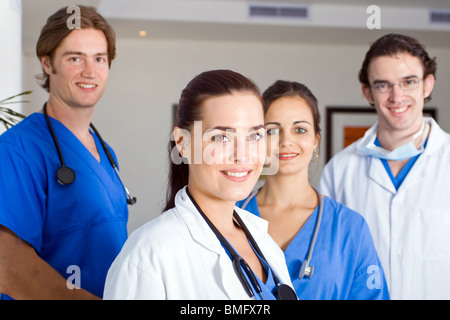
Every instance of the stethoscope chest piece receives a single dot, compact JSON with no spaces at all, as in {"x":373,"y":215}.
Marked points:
{"x":283,"y":291}
{"x":286,"y":293}
{"x":306,"y":270}
{"x":65,"y":175}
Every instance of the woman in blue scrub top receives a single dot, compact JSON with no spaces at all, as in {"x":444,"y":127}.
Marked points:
{"x":345,"y":262}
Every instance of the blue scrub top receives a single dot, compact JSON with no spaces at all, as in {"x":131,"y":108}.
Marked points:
{"x":82,"y":224}
{"x":398,"y":180}
{"x":346,"y":264}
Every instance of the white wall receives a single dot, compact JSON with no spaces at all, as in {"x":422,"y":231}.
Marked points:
{"x":10,"y":51}
{"x":147,"y":77}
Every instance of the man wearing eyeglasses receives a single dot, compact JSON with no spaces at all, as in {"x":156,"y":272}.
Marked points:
{"x":398,"y":175}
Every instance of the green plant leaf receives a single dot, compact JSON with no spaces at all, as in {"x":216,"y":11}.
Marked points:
{"x":10,"y":117}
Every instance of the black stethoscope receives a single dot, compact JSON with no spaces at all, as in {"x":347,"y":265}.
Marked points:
{"x":66,"y":175}
{"x":284,"y":292}
{"x":305,"y":269}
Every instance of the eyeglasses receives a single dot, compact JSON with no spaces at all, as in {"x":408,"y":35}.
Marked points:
{"x":384,"y":86}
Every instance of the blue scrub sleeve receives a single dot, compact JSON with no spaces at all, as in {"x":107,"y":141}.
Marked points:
{"x":22,"y":195}
{"x":369,"y":282}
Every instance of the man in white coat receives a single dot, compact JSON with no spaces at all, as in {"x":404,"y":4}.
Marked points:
{"x":398,"y":175}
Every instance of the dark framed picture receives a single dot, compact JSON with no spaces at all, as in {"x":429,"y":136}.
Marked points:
{"x":174,"y":113}
{"x":345,"y":125}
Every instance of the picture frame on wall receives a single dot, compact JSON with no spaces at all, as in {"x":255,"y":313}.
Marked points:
{"x":174,"y":113}
{"x":345,"y":125}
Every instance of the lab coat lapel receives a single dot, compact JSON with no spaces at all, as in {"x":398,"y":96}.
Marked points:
{"x":203,"y":235}
{"x":199,"y":229}
{"x":376,"y":170}
{"x":378,"y":174}
{"x":436,"y":140}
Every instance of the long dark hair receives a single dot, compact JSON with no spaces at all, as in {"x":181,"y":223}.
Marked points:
{"x":208,"y":84}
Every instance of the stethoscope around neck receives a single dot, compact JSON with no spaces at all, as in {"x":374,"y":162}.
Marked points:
{"x":284,"y":292}
{"x":305,"y":268}
{"x":65,"y":175}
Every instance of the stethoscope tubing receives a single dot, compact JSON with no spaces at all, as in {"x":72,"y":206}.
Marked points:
{"x":237,"y":260}
{"x":130,"y":200}
{"x":305,"y":268}
{"x":52,"y":133}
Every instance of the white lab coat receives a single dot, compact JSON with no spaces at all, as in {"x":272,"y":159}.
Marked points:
{"x":177,"y":256}
{"x":410,"y":227}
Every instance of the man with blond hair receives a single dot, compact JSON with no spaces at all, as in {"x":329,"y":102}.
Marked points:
{"x":61,"y":228}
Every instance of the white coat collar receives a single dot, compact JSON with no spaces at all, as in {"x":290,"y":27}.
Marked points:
{"x":202,"y":234}
{"x":436,"y":138}
{"x":199,"y":229}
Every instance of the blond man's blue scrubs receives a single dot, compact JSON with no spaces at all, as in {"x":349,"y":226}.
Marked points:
{"x":83,"y":224}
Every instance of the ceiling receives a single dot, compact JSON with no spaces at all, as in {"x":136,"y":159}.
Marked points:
{"x":35,"y":13}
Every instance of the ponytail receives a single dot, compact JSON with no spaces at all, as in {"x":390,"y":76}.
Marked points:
{"x":178,"y":178}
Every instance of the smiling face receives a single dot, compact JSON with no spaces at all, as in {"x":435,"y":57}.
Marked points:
{"x":232,"y":145}
{"x":79,"y":70}
{"x":291,"y":137}
{"x":398,"y":109}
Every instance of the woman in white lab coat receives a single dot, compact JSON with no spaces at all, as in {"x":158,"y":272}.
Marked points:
{"x":192,"y":249}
